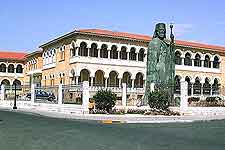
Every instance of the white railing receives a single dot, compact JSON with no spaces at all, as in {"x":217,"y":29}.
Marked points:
{"x":107,"y":61}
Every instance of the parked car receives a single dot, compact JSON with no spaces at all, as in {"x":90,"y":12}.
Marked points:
{"x":42,"y":95}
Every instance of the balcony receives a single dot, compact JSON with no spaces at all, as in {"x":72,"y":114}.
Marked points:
{"x":106,"y":61}
{"x":49,"y":66}
{"x":197,"y":69}
{"x":3,"y":74}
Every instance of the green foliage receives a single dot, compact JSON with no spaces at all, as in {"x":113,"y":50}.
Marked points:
{"x":193,"y":99}
{"x":213,"y":99}
{"x":158,"y":99}
{"x":104,"y":100}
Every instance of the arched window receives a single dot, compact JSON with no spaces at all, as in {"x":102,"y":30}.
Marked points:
{"x":178,"y":60}
{"x":215,"y":87}
{"x":18,"y":84}
{"x":99,"y":79}
{"x":113,"y":80}
{"x":139,"y":81}
{"x":197,"y":86}
{"x":141,"y":55}
{"x":127,"y":79}
{"x":177,"y":85}
{"x":216,"y":63}
{"x":19,"y":69}
{"x":83,"y":50}
{"x":84,"y":76}
{"x":133,"y":55}
{"x":197,"y":60}
{"x":2,"y":68}
{"x":189,"y":85}
{"x":11,"y":68}
{"x":5,"y":82}
{"x":93,"y":51}
{"x":104,"y":51}
{"x":114,"y":52}
{"x":207,"y":62}
{"x":187,"y":59}
{"x":206,"y":87}
{"x":123,"y":53}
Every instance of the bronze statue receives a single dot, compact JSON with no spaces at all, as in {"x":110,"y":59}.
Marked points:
{"x":160,"y":59}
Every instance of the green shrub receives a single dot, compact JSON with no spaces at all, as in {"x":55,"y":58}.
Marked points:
{"x":158,"y":99}
{"x":135,"y":111}
{"x":118,"y":111}
{"x":193,"y":99}
{"x":104,"y":100}
{"x":213,"y":99}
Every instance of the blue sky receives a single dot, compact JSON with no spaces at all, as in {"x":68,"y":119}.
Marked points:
{"x":26,"y":24}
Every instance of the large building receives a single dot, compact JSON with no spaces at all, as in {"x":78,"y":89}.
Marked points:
{"x":107,"y":59}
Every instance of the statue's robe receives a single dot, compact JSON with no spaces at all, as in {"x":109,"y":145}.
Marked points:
{"x":159,"y":67}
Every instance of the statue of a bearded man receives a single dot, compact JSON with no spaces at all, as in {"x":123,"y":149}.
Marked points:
{"x":160,"y":60}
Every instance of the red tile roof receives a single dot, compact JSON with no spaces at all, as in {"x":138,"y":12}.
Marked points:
{"x":147,"y":38}
{"x":12,"y":55}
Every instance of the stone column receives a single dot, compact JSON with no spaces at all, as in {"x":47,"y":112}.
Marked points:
{"x":120,"y":82}
{"x":60,"y":95}
{"x":184,"y":97}
{"x":211,"y":64}
{"x":99,"y":50}
{"x":77,"y":80}
{"x":106,"y":80}
{"x":124,"y":94}
{"x":182,"y":60}
{"x":2,"y":92}
{"x":133,"y":83}
{"x":128,"y":55}
{"x":202,"y":82}
{"x":88,"y":54}
{"x":109,"y":54}
{"x":202,"y":62}
{"x":92,"y":81}
{"x":76,"y":51}
{"x":85,"y":97}
{"x":192,"y":89}
{"x":32,"y":93}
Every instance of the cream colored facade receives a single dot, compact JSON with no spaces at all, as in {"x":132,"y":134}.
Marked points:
{"x":11,"y":71}
{"x":109,"y":60}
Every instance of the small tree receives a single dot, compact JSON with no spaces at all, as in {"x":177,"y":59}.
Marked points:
{"x":158,"y":99}
{"x":104,"y":100}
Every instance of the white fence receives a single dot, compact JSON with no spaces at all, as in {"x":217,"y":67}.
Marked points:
{"x":75,"y":98}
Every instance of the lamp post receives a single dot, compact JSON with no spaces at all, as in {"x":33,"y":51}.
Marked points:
{"x":14,"y":106}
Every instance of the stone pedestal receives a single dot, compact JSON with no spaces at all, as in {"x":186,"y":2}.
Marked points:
{"x":85,"y":97}
{"x":184,"y":97}
{"x":32,"y":93}
{"x":124,"y":95}
{"x":60,"y":95}
{"x":152,"y":87}
{"x":2,"y":94}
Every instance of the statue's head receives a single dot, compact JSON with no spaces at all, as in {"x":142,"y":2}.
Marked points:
{"x":160,"y":31}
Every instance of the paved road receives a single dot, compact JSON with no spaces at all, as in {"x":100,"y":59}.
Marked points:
{"x":34,"y":132}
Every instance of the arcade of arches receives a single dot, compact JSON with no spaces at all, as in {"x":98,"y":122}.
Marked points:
{"x":198,"y":87}
{"x":112,"y":80}
{"x":11,"y":68}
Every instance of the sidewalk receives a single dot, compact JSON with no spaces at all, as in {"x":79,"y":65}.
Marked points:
{"x":127,"y":118}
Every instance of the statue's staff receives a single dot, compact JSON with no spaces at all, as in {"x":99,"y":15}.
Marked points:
{"x":172,"y":64}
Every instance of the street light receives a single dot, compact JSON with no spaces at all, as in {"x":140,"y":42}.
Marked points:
{"x":14,"y":106}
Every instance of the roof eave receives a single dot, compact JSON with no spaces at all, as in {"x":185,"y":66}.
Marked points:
{"x":58,"y":38}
